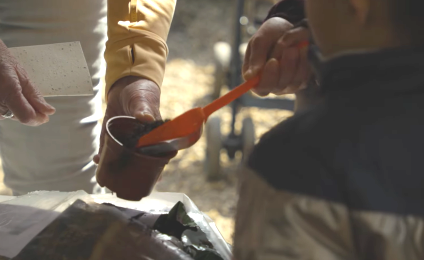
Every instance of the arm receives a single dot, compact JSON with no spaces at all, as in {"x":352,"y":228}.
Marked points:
{"x":137,"y":34}
{"x":268,"y":53}
{"x":291,"y":206}
{"x":285,"y":69}
{"x":278,"y":224}
{"x":293,"y":11}
{"x":136,"y":53}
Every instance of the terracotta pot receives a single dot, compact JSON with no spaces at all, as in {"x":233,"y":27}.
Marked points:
{"x":128,"y":173}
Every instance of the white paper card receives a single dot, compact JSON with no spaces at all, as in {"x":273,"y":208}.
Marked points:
{"x":56,"y":69}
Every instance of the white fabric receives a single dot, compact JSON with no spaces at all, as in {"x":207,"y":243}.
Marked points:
{"x":57,"y":155}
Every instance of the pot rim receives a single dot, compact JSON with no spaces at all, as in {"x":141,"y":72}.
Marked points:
{"x":110,"y":134}
{"x":134,"y":152}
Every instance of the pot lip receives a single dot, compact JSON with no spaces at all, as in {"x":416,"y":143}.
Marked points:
{"x":125,"y":148}
{"x":108,"y":131}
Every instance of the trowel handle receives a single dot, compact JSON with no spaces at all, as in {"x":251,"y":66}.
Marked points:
{"x":230,"y":96}
{"x":238,"y":91}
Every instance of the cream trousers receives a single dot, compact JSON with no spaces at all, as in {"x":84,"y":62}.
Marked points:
{"x":57,"y":155}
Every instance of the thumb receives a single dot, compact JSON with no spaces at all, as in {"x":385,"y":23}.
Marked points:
{"x":141,"y":100}
{"x":144,"y":116}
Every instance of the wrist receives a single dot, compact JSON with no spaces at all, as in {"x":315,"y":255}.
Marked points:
{"x":130,"y":82}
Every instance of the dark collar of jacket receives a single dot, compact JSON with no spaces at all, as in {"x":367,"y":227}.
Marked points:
{"x":291,"y":10}
{"x":353,"y":70}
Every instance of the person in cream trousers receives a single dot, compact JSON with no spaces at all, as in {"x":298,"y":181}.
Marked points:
{"x":49,"y":143}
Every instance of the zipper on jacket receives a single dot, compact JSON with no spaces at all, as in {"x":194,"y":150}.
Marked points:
{"x":133,"y":19}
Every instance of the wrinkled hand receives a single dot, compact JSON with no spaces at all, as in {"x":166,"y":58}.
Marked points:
{"x":18,"y":94}
{"x":272,"y":51}
{"x":131,"y":96}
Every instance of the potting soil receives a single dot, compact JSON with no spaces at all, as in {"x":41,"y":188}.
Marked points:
{"x":141,"y":130}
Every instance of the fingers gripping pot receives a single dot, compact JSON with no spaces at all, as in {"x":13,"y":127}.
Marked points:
{"x":125,"y":171}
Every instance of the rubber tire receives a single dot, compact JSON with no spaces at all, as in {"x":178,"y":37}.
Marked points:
{"x":248,"y":137}
{"x":213,"y":149}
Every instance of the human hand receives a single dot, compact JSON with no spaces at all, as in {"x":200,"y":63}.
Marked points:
{"x":18,"y":95}
{"x":273,"y":51}
{"x":131,"y":96}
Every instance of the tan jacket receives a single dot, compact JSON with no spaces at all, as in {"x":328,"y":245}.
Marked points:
{"x":137,"y":34}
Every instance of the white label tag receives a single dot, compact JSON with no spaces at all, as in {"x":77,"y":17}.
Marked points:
{"x":56,"y":69}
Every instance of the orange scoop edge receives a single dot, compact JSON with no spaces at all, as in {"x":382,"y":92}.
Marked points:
{"x":190,"y":121}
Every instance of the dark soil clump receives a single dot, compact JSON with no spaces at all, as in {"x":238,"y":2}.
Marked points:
{"x":141,"y":130}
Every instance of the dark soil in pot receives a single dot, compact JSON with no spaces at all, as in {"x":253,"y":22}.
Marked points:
{"x":142,"y":129}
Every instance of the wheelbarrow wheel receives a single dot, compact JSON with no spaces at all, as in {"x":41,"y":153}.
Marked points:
{"x":213,"y":149}
{"x":248,"y":137}
{"x":222,"y":55}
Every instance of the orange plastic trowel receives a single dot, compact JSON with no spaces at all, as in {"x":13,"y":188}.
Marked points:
{"x":186,"y":129}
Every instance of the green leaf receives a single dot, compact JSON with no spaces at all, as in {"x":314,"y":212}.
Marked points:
{"x":180,"y":214}
{"x":175,"y":222}
{"x":200,"y":253}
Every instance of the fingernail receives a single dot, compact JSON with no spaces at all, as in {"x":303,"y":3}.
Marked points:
{"x":248,"y":74}
{"x":145,"y":117}
{"x":260,"y":92}
{"x":51,"y":112}
{"x":272,"y":61}
{"x":51,"y":109}
{"x":284,"y":43}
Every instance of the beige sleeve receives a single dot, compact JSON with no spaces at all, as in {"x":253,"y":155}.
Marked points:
{"x":276,"y":224}
{"x":137,"y":34}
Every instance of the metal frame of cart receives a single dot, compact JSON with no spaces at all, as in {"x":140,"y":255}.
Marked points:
{"x":249,"y":14}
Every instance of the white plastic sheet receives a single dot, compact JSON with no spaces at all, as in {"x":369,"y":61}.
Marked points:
{"x":57,"y":202}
